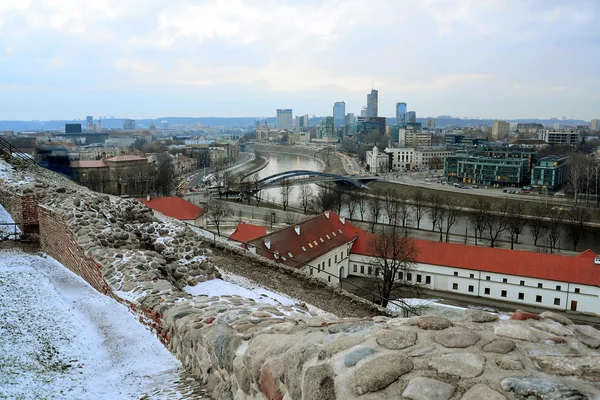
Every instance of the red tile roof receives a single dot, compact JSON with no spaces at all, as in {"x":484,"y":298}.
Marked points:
{"x":331,"y":229}
{"x":88,"y":164}
{"x":246,"y":232}
{"x":127,"y":157}
{"x":580,"y":269}
{"x":174,"y":207}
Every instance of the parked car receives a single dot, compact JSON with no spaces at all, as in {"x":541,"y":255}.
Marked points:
{"x":475,"y":187}
{"x":525,"y":191}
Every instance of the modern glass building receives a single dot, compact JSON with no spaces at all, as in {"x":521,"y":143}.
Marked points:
{"x":551,"y":172}
{"x":486,"y":170}
{"x":400,"y":114}
{"x":339,"y":114}
{"x":411,"y":117}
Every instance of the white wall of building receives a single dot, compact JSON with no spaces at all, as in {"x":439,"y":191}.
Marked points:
{"x":504,"y":287}
{"x":333,"y":263}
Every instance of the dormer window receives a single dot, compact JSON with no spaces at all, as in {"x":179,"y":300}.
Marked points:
{"x":322,"y":241}
{"x":303,"y":248}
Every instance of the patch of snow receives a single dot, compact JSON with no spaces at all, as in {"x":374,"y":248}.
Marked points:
{"x":10,"y":175}
{"x":219,"y":287}
{"x":60,"y":338}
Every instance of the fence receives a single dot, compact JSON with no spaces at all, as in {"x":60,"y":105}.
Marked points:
{"x":12,"y":151}
{"x":9,"y":231}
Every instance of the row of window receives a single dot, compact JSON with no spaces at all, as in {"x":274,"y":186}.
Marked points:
{"x":409,"y":275}
{"x":504,"y":293}
{"x":521,"y":283}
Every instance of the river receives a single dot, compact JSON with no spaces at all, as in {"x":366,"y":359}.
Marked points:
{"x":282,"y":162}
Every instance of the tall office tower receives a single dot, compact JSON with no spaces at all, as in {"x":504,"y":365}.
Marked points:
{"x":372,"y":103}
{"x":500,"y":129}
{"x":595,"y":125}
{"x":301,"y":123}
{"x":411,"y":117}
{"x":363,"y":112}
{"x":285,"y":119}
{"x":128,"y":123}
{"x":400,"y":113}
{"x":430,"y":123}
{"x":349,"y":119}
{"x":339,"y":114}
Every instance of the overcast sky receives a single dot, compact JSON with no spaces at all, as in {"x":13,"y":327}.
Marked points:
{"x":151,"y":58}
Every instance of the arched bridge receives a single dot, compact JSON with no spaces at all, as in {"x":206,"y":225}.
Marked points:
{"x":306,"y":176}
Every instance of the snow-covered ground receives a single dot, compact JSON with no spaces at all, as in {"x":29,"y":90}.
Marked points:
{"x":235,"y":285}
{"x":61,"y":339}
{"x":435,"y":307}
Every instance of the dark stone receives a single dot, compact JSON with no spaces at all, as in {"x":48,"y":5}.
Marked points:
{"x":351,"y":327}
{"x":542,"y":388}
{"x":356,"y":355}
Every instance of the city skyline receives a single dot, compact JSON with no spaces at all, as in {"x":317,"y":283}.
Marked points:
{"x":499,"y":60}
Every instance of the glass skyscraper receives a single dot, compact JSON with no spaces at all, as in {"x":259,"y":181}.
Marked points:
{"x":400,"y":113}
{"x":339,"y":114}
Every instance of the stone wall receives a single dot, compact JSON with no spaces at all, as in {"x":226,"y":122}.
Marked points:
{"x":245,"y":350}
{"x":58,"y":241}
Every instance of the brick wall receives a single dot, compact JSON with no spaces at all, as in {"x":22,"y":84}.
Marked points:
{"x":58,"y":241}
{"x":22,"y":208}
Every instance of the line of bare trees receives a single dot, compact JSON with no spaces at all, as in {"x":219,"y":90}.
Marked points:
{"x":489,"y":222}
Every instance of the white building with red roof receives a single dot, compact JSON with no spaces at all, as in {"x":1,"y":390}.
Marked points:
{"x":329,"y":247}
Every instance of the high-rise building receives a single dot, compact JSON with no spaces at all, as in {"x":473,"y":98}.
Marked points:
{"x":350,"y":119}
{"x":90,"y":122}
{"x":372,"y":103}
{"x":301,"y":123}
{"x":595,"y":125}
{"x":567,"y":137}
{"x":326,"y":129}
{"x":285,"y":119}
{"x":363,"y":112}
{"x":339,"y":114}
{"x":430,"y":123}
{"x":500,"y":129}
{"x":411,"y":117}
{"x":400,"y":113}
{"x":128,"y":123}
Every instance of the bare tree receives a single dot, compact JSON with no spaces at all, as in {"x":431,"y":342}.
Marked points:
{"x":537,"y":223}
{"x":216,"y":212}
{"x":285,"y":190}
{"x":419,"y":206}
{"x":352,"y":203}
{"x":404,"y":213}
{"x":165,"y":174}
{"x":306,"y":194}
{"x":394,"y":258}
{"x":435,"y":209}
{"x":363,"y":205}
{"x":323,"y":201}
{"x":554,"y":228}
{"x":497,"y":222}
{"x":577,"y":217}
{"x":291,"y":218}
{"x":338,"y":197}
{"x":575,"y":175}
{"x":451,"y":214}
{"x":516,"y":223}
{"x":481,"y":213}
{"x":439,"y":221}
{"x":270,"y":218}
{"x":375,"y":209}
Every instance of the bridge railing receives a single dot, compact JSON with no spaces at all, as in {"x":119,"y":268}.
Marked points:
{"x":7,"y":148}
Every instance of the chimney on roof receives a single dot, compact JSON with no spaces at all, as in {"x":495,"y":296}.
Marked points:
{"x":327,"y":214}
{"x":343,"y":220}
{"x":268,"y":244}
{"x":276,"y":255}
{"x":148,"y":197}
{"x":297,"y":229}
{"x":597,"y":259}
